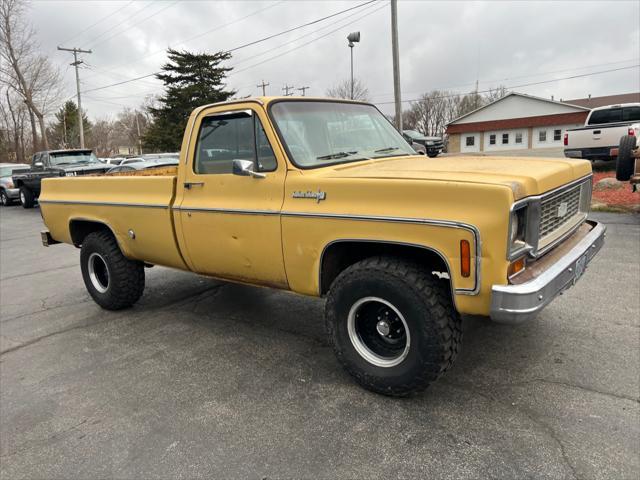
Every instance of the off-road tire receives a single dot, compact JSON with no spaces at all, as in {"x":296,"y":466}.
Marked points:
{"x":426,"y":304}
{"x":26,"y":197}
{"x":5,"y":201}
{"x":625,"y":164}
{"x":125,"y":283}
{"x":432,"y":154}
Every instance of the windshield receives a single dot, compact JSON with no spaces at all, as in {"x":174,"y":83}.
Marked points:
{"x":323,"y":133}
{"x":68,"y":158}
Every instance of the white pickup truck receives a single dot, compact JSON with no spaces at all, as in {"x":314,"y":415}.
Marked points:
{"x":602,"y":131}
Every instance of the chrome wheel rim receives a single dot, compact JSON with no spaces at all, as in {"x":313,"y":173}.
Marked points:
{"x":98,"y":272}
{"x":22,"y":199}
{"x":3,"y":198}
{"x":378,"y":332}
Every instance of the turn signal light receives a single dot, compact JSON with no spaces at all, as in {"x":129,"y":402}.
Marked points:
{"x":566,"y":139}
{"x":632,"y":132}
{"x":516,"y":267}
{"x":465,"y":258}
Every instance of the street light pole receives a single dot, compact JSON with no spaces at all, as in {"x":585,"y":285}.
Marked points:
{"x":396,"y":63}
{"x":353,"y":37}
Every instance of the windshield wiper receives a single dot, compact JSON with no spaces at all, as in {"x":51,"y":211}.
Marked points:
{"x":332,"y":156}
{"x":387,"y":149}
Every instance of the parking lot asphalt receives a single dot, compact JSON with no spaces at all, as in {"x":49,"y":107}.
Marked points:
{"x":210,"y":379}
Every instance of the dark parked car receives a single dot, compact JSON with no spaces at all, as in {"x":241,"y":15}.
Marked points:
{"x":431,"y":146}
{"x":54,"y":163}
{"x":8,"y":192}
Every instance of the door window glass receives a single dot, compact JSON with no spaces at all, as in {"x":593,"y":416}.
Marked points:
{"x":229,"y":137}
{"x":266,"y":158}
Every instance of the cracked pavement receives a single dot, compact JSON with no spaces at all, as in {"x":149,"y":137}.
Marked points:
{"x":209,"y":379}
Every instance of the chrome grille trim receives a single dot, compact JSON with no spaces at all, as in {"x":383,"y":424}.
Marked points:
{"x":550,"y":219}
{"x":544,"y":229}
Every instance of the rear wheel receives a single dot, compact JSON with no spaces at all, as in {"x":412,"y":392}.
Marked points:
{"x":626,"y":162}
{"x":113,"y":281}
{"x":393,"y":325}
{"x":26,"y":197}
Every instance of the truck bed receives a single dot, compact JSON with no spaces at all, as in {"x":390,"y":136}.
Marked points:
{"x":147,"y":234}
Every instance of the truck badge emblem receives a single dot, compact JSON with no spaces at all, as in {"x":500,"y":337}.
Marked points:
{"x":318,"y":196}
{"x":562,"y":209}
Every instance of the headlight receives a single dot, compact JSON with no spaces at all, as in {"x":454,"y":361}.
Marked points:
{"x":517,"y":230}
{"x":515,"y":225}
{"x":9,"y":184}
{"x":429,"y":143}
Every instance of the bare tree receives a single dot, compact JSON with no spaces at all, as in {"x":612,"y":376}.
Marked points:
{"x":343,"y":90}
{"x":495,"y":94}
{"x":431,"y":113}
{"x":24,"y":68}
{"x":12,"y":115}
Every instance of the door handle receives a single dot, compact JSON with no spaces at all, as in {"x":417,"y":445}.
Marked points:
{"x":188,"y":185}
{"x":596,"y":132}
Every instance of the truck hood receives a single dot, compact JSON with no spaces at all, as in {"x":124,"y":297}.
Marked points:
{"x":524,"y":176}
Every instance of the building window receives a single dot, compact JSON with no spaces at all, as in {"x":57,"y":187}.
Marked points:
{"x":542,"y":136}
{"x":492,"y":139}
{"x":557,"y":135}
{"x":505,"y":138}
{"x":519,"y":137}
{"x":470,"y":141}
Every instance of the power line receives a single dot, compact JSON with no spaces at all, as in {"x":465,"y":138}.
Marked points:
{"x":280,"y":55}
{"x":76,"y":63}
{"x":525,"y":84}
{"x":107,"y":31}
{"x":98,"y":22}
{"x":242,"y":46}
{"x":522,"y":76}
{"x":293,"y":40}
{"x":137,"y":23}
{"x":215,"y":29}
{"x":301,"y":26}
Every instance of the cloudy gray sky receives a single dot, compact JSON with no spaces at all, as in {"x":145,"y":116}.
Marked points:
{"x":443,"y":44}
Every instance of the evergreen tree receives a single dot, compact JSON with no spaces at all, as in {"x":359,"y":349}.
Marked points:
{"x":190,"y":80}
{"x":64,"y":132}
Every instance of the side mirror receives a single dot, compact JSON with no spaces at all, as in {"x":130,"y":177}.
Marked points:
{"x":38,"y":164}
{"x":244,"y":168}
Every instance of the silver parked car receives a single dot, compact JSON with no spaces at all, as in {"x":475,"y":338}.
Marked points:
{"x":8,"y":192}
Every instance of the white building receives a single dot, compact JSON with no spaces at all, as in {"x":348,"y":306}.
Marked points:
{"x":515,"y":122}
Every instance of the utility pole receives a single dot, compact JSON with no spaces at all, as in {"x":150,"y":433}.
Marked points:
{"x":76,"y":63}
{"x":139,"y":139}
{"x":396,"y":63}
{"x":263,"y":85}
{"x":286,"y":90}
{"x":302,"y":89}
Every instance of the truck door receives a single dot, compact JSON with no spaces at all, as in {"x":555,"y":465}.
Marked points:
{"x":228,"y":220}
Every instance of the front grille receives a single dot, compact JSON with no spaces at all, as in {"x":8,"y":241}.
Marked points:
{"x":558,"y":210}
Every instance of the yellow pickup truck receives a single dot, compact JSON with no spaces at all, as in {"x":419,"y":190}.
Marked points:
{"x":325,"y":198}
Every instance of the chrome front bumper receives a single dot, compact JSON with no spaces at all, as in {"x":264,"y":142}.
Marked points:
{"x":13,"y":193}
{"x":518,"y":303}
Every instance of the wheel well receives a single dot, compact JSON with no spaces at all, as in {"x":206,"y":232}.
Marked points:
{"x":340,"y":255}
{"x":18,"y":183}
{"x":79,"y":229}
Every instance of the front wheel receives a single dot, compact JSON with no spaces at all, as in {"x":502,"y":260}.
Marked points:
{"x":26,"y":197}
{"x":113,"y":281}
{"x":432,"y":154}
{"x":393,"y":325}
{"x":5,"y":201}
